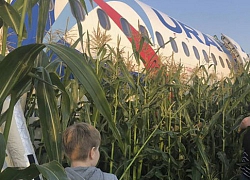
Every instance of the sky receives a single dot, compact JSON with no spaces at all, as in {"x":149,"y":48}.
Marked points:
{"x":213,"y":17}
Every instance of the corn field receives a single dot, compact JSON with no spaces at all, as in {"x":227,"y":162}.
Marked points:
{"x":164,"y":124}
{"x":169,"y":125}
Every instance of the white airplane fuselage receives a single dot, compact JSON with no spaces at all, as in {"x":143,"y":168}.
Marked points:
{"x":128,"y":19}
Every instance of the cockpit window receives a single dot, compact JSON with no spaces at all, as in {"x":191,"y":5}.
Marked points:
{"x":125,"y":27}
{"x":103,"y":19}
{"x":160,"y":39}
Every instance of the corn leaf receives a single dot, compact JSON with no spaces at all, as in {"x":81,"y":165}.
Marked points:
{"x":52,"y":171}
{"x":18,"y":5}
{"x":42,"y":19}
{"x":10,"y":17}
{"x":13,"y":173}
{"x":65,"y":100}
{"x":2,"y":150}
{"x":15,"y":66}
{"x":48,"y":114}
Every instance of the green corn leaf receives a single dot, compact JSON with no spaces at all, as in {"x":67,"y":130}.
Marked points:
{"x":1,"y":57}
{"x":19,"y":63}
{"x":73,"y":89}
{"x":127,"y":76}
{"x":13,"y":173}
{"x":1,"y":23}
{"x":18,"y":5}
{"x":52,"y":171}
{"x":2,"y":150}
{"x":42,"y":19}
{"x":11,"y":17}
{"x":203,"y":154}
{"x":54,"y":65}
{"x":196,"y":171}
{"x":15,"y":66}
{"x":3,"y":117}
{"x":223,"y":157}
{"x":65,"y":100}
{"x":23,"y":86}
{"x":48,"y":114}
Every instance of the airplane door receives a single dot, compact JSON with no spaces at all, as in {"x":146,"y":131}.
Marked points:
{"x":234,"y":49}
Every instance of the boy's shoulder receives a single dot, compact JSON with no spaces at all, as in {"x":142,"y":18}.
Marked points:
{"x":90,"y":173}
{"x":109,"y":176}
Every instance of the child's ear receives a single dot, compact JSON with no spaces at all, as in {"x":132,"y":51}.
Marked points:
{"x":92,"y":153}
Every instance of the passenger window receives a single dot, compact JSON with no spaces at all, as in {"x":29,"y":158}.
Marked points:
{"x":197,"y":55}
{"x":185,"y":48}
{"x":228,"y":64}
{"x":244,"y":59}
{"x":236,"y":62}
{"x":214,"y":59}
{"x":221,"y":62}
{"x":160,"y":39}
{"x":125,"y":27}
{"x":103,"y":19}
{"x":205,"y":56}
{"x":143,"y":31}
{"x":52,"y":6}
{"x":173,"y":44}
{"x":78,"y":11}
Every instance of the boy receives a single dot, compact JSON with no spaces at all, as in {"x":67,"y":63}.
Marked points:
{"x":81,"y":143}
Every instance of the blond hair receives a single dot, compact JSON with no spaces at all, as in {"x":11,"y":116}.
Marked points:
{"x":79,"y":139}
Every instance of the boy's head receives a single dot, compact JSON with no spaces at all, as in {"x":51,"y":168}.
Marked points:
{"x":79,"y":140}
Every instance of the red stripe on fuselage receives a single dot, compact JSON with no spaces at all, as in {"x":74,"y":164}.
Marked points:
{"x":147,"y":53}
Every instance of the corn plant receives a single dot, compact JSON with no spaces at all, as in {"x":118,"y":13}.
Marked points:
{"x":171,"y":127}
{"x":155,"y":124}
{"x":22,"y":71}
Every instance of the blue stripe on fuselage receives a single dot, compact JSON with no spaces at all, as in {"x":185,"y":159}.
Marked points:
{"x":188,"y":30}
{"x":177,"y":27}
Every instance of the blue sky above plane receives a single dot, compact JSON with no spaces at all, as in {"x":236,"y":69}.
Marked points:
{"x":212,"y":17}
